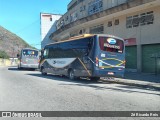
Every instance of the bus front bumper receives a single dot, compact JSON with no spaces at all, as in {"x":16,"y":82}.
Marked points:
{"x":107,"y":73}
{"x":29,"y":66}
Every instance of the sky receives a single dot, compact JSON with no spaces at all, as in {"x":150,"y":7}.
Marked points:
{"x":22,"y":17}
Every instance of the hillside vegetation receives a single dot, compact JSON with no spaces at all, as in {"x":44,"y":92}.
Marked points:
{"x":10,"y":43}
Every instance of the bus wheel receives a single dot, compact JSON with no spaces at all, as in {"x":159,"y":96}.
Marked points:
{"x":94,"y":78}
{"x":43,"y":71}
{"x":71,"y":74}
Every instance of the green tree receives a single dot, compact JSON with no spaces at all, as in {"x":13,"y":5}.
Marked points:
{"x":3,"y":54}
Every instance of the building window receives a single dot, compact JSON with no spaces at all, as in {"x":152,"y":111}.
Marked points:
{"x":109,"y":24}
{"x":100,"y":4}
{"x":50,"y":18}
{"x":95,"y":6}
{"x":62,"y":23}
{"x":129,"y":22}
{"x":116,"y":22}
{"x":135,"y":21}
{"x":97,"y":29}
{"x":82,"y":8}
{"x":146,"y":18}
{"x":142,"y":19}
{"x":66,"y":18}
{"x":79,"y":1}
{"x":73,"y":17}
{"x":82,"y":31}
{"x":149,"y":17}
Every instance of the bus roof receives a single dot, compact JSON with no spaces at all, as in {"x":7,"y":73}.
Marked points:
{"x":73,"y":38}
{"x":83,"y":36}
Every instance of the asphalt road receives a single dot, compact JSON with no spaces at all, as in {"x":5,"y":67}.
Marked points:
{"x":23,"y":90}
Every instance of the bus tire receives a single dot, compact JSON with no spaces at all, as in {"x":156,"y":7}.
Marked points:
{"x":94,"y":78}
{"x":33,"y":69}
{"x":71,"y":74}
{"x":43,"y":71}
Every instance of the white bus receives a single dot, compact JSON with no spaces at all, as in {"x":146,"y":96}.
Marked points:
{"x":28,"y":58}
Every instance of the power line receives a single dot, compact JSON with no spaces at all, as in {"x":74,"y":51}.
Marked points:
{"x":28,"y":26}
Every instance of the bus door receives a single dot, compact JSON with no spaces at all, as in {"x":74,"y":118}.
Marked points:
{"x":110,"y":57}
{"x":88,"y":55}
{"x":53,"y":59}
{"x":44,"y":60}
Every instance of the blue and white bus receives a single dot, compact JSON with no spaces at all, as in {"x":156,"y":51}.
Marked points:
{"x":89,"y":55}
{"x":28,"y":58}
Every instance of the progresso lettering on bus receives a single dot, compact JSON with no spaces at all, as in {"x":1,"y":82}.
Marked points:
{"x":91,"y":55}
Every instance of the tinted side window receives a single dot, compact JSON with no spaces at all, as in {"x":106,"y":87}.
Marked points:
{"x":71,"y":49}
{"x":52,"y":51}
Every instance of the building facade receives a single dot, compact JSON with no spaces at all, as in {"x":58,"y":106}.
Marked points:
{"x":137,"y":21}
{"x":48,"y":26}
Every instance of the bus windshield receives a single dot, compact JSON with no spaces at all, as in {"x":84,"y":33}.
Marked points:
{"x":109,"y":44}
{"x":30,"y":52}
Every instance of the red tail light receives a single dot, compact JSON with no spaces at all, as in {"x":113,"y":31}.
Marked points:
{"x":124,"y":63}
{"x":23,"y":61}
{"x":97,"y":61}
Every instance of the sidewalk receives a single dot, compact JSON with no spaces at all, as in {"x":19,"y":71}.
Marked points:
{"x":140,"y":80}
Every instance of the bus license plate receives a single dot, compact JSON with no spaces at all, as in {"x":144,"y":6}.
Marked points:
{"x":110,"y":73}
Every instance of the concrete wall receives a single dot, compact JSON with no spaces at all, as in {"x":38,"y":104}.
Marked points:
{"x":8,"y":62}
{"x":81,"y":9}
